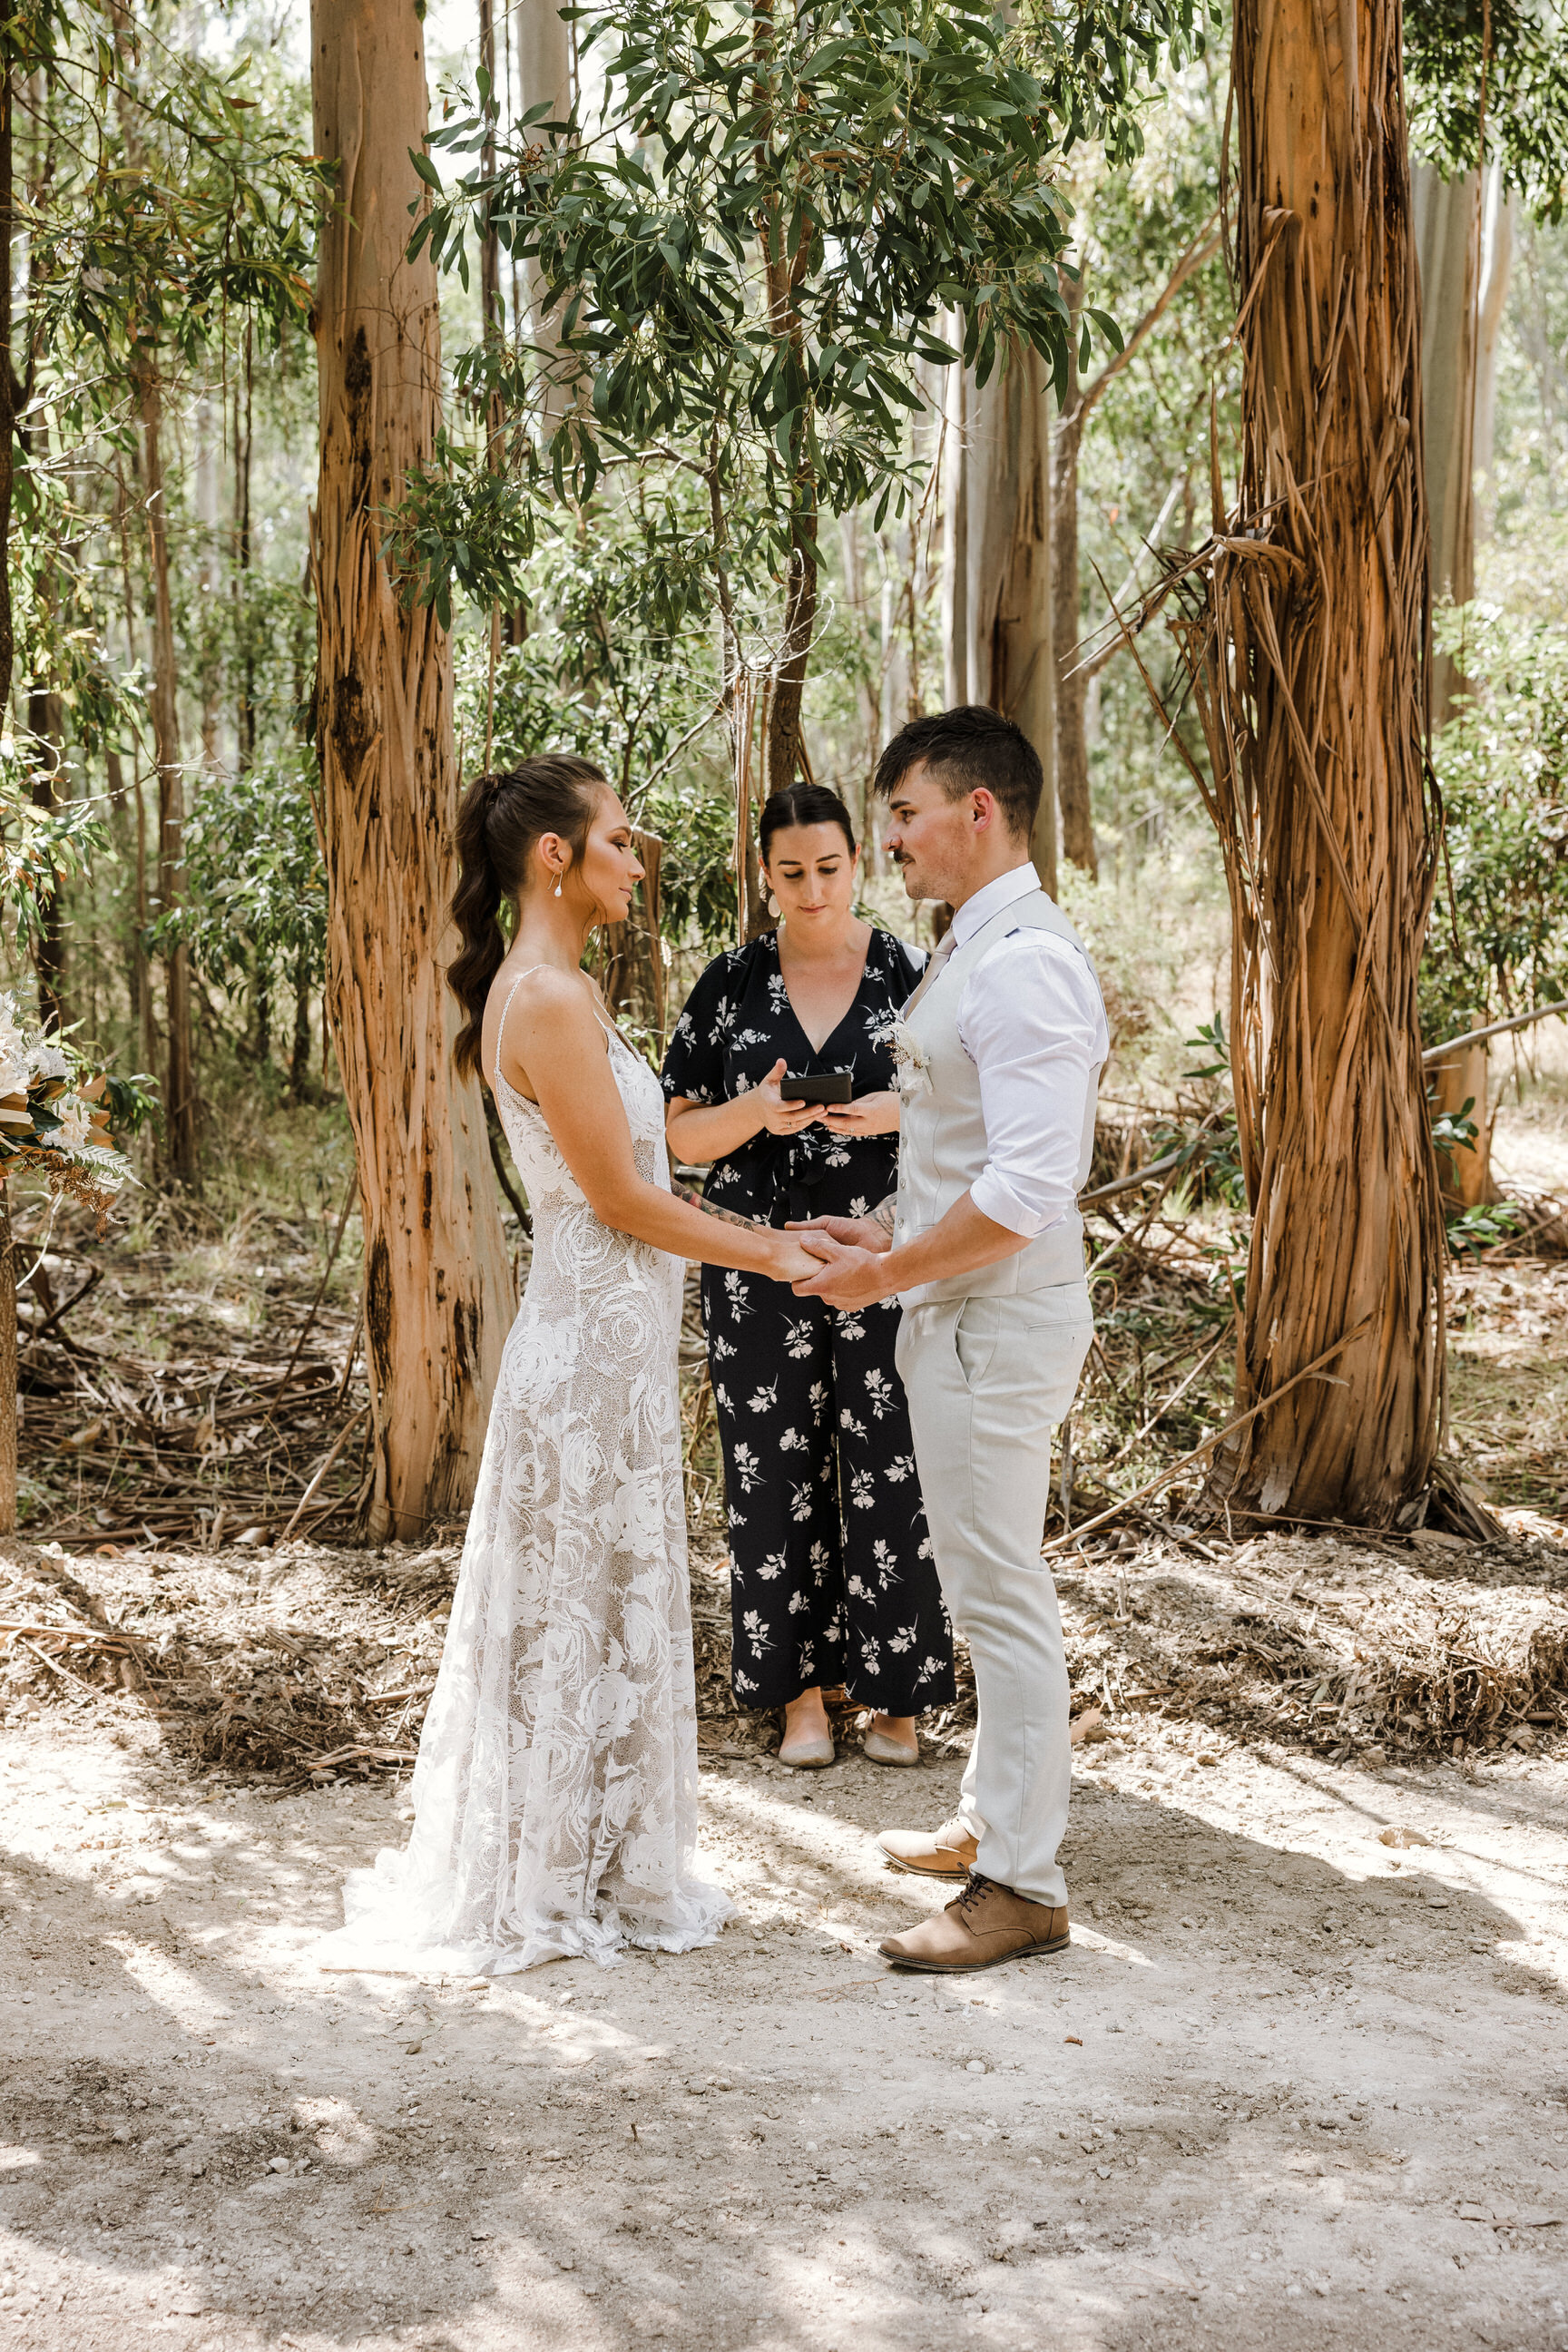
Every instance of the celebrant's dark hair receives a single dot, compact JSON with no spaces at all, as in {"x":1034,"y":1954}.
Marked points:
{"x":802,"y":805}
{"x":500,"y":818}
{"x":971,"y":749}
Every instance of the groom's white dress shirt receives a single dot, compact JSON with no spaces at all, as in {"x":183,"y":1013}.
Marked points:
{"x":1031,"y":1021}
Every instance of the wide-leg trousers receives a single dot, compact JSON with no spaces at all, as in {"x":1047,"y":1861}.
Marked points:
{"x":831,"y":1575}
{"x":987,"y":1381}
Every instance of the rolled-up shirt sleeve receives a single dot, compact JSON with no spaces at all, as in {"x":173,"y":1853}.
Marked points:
{"x":1032,"y":1022}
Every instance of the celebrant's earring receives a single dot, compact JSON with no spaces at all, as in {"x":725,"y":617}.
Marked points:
{"x":772,"y":906}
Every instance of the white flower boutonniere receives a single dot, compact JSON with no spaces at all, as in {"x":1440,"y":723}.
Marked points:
{"x":913,"y":1069}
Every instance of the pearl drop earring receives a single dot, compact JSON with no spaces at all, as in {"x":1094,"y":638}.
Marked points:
{"x":558,"y":885}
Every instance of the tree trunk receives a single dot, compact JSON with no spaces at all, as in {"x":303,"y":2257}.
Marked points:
{"x":180,"y":1092}
{"x":1066,"y":621}
{"x":46,"y":722}
{"x":1448,"y":222}
{"x":10,"y":1411}
{"x":1497,"y":262}
{"x":300,"y":1056}
{"x":1459,"y":1080}
{"x":9,"y":387}
{"x":439,"y":1288}
{"x":244,"y":445}
{"x":996,"y":563}
{"x":1320,"y":589}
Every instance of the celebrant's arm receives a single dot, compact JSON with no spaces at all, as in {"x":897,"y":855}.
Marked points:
{"x":700,"y":1133}
{"x":556,"y":1052}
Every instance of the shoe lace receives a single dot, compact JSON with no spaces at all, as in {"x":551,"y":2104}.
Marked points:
{"x":974,"y":1887}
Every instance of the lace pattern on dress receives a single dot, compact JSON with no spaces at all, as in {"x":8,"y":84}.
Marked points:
{"x":555,"y":1794}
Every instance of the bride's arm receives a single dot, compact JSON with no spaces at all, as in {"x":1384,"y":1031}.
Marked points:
{"x":555,"y":1043}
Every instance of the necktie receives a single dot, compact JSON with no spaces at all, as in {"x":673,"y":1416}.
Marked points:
{"x":945,"y":948}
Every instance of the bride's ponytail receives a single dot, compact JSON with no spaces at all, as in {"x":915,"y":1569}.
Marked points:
{"x":498,"y":819}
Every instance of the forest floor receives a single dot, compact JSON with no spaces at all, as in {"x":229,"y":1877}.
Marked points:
{"x":1298,"y":2080}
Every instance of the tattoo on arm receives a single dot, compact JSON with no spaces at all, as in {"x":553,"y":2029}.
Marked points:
{"x":709,"y":1208}
{"x":884,"y":1213}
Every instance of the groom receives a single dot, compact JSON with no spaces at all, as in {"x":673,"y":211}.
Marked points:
{"x":999,"y":1050}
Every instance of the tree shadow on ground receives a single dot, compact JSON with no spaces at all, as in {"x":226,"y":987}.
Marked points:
{"x":412,"y":2223}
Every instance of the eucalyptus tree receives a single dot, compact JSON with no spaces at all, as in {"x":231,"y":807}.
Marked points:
{"x":749,"y":246}
{"x":437,"y":1285}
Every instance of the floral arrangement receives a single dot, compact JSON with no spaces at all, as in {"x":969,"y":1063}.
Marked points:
{"x":55,"y":1114}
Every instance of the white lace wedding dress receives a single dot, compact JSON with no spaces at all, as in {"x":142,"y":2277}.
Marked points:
{"x":555,"y":1794}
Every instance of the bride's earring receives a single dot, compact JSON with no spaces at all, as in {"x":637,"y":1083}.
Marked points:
{"x":557,"y":891}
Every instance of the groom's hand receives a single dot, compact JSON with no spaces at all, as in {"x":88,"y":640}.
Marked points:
{"x":847,"y":1277}
{"x":850,"y":1233}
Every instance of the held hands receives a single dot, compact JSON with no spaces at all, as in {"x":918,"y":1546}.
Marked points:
{"x":793,"y":1264}
{"x":781,"y":1117}
{"x":846,"y":1251}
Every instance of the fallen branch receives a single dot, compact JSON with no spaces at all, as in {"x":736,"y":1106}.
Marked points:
{"x":1168,"y":1477}
{"x":339,"y":1442}
{"x":1495,"y":1029}
{"x":1131,"y":1184}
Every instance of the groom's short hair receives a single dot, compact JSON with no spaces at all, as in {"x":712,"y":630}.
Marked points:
{"x":971,"y":749}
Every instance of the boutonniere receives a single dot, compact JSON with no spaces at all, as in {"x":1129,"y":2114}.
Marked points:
{"x":911,"y":1066}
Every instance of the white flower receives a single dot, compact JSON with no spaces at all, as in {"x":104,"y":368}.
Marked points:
{"x":48,"y":1062}
{"x":912,"y":1068}
{"x":75,"y":1124}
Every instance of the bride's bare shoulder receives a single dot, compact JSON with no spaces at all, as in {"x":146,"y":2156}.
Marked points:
{"x":541,"y":988}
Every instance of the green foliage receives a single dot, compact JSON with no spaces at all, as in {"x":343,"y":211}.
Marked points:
{"x":257,"y":905}
{"x":1508,"y":58}
{"x":1500,"y":932}
{"x":1471,"y":1231}
{"x":41,"y":848}
{"x":1097,"y":61}
{"x":747,"y":261}
{"x":617,"y":663}
{"x":697,"y":875}
{"x":187,"y":204}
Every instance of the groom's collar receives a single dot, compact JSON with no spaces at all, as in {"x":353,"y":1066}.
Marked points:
{"x":991,"y":899}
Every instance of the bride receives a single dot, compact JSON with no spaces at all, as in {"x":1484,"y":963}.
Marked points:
{"x":555,"y":1794}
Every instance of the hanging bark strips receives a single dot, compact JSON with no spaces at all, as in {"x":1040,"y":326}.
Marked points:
{"x":1307,"y":652}
{"x":438,"y":1290}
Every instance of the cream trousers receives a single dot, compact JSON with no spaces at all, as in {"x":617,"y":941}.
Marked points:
{"x":988,"y":1379}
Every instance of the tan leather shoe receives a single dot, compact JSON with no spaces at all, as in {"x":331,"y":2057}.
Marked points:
{"x":946,"y":1852}
{"x":983,"y":1926}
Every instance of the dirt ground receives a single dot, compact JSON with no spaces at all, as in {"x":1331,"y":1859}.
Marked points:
{"x":1301,"y":2078}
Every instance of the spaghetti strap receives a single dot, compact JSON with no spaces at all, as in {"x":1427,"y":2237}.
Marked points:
{"x":500,"y":1027}
{"x":608,"y":1026}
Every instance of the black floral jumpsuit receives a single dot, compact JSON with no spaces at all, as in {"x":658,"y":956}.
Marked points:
{"x":832,"y":1578}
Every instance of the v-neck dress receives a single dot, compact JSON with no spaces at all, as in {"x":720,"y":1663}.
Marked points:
{"x":832,"y":1575}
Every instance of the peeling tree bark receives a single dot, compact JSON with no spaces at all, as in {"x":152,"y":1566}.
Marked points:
{"x":180,"y":1077}
{"x":439,"y":1288}
{"x":1317,"y":631}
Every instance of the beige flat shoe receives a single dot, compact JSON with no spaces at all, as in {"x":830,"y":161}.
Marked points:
{"x":810,"y":1755}
{"x":947,"y":1853}
{"x":878,"y":1749}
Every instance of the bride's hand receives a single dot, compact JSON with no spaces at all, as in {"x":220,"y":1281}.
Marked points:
{"x":788,"y":1262}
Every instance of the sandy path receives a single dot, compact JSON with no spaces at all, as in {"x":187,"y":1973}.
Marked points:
{"x":1289,"y":2085}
